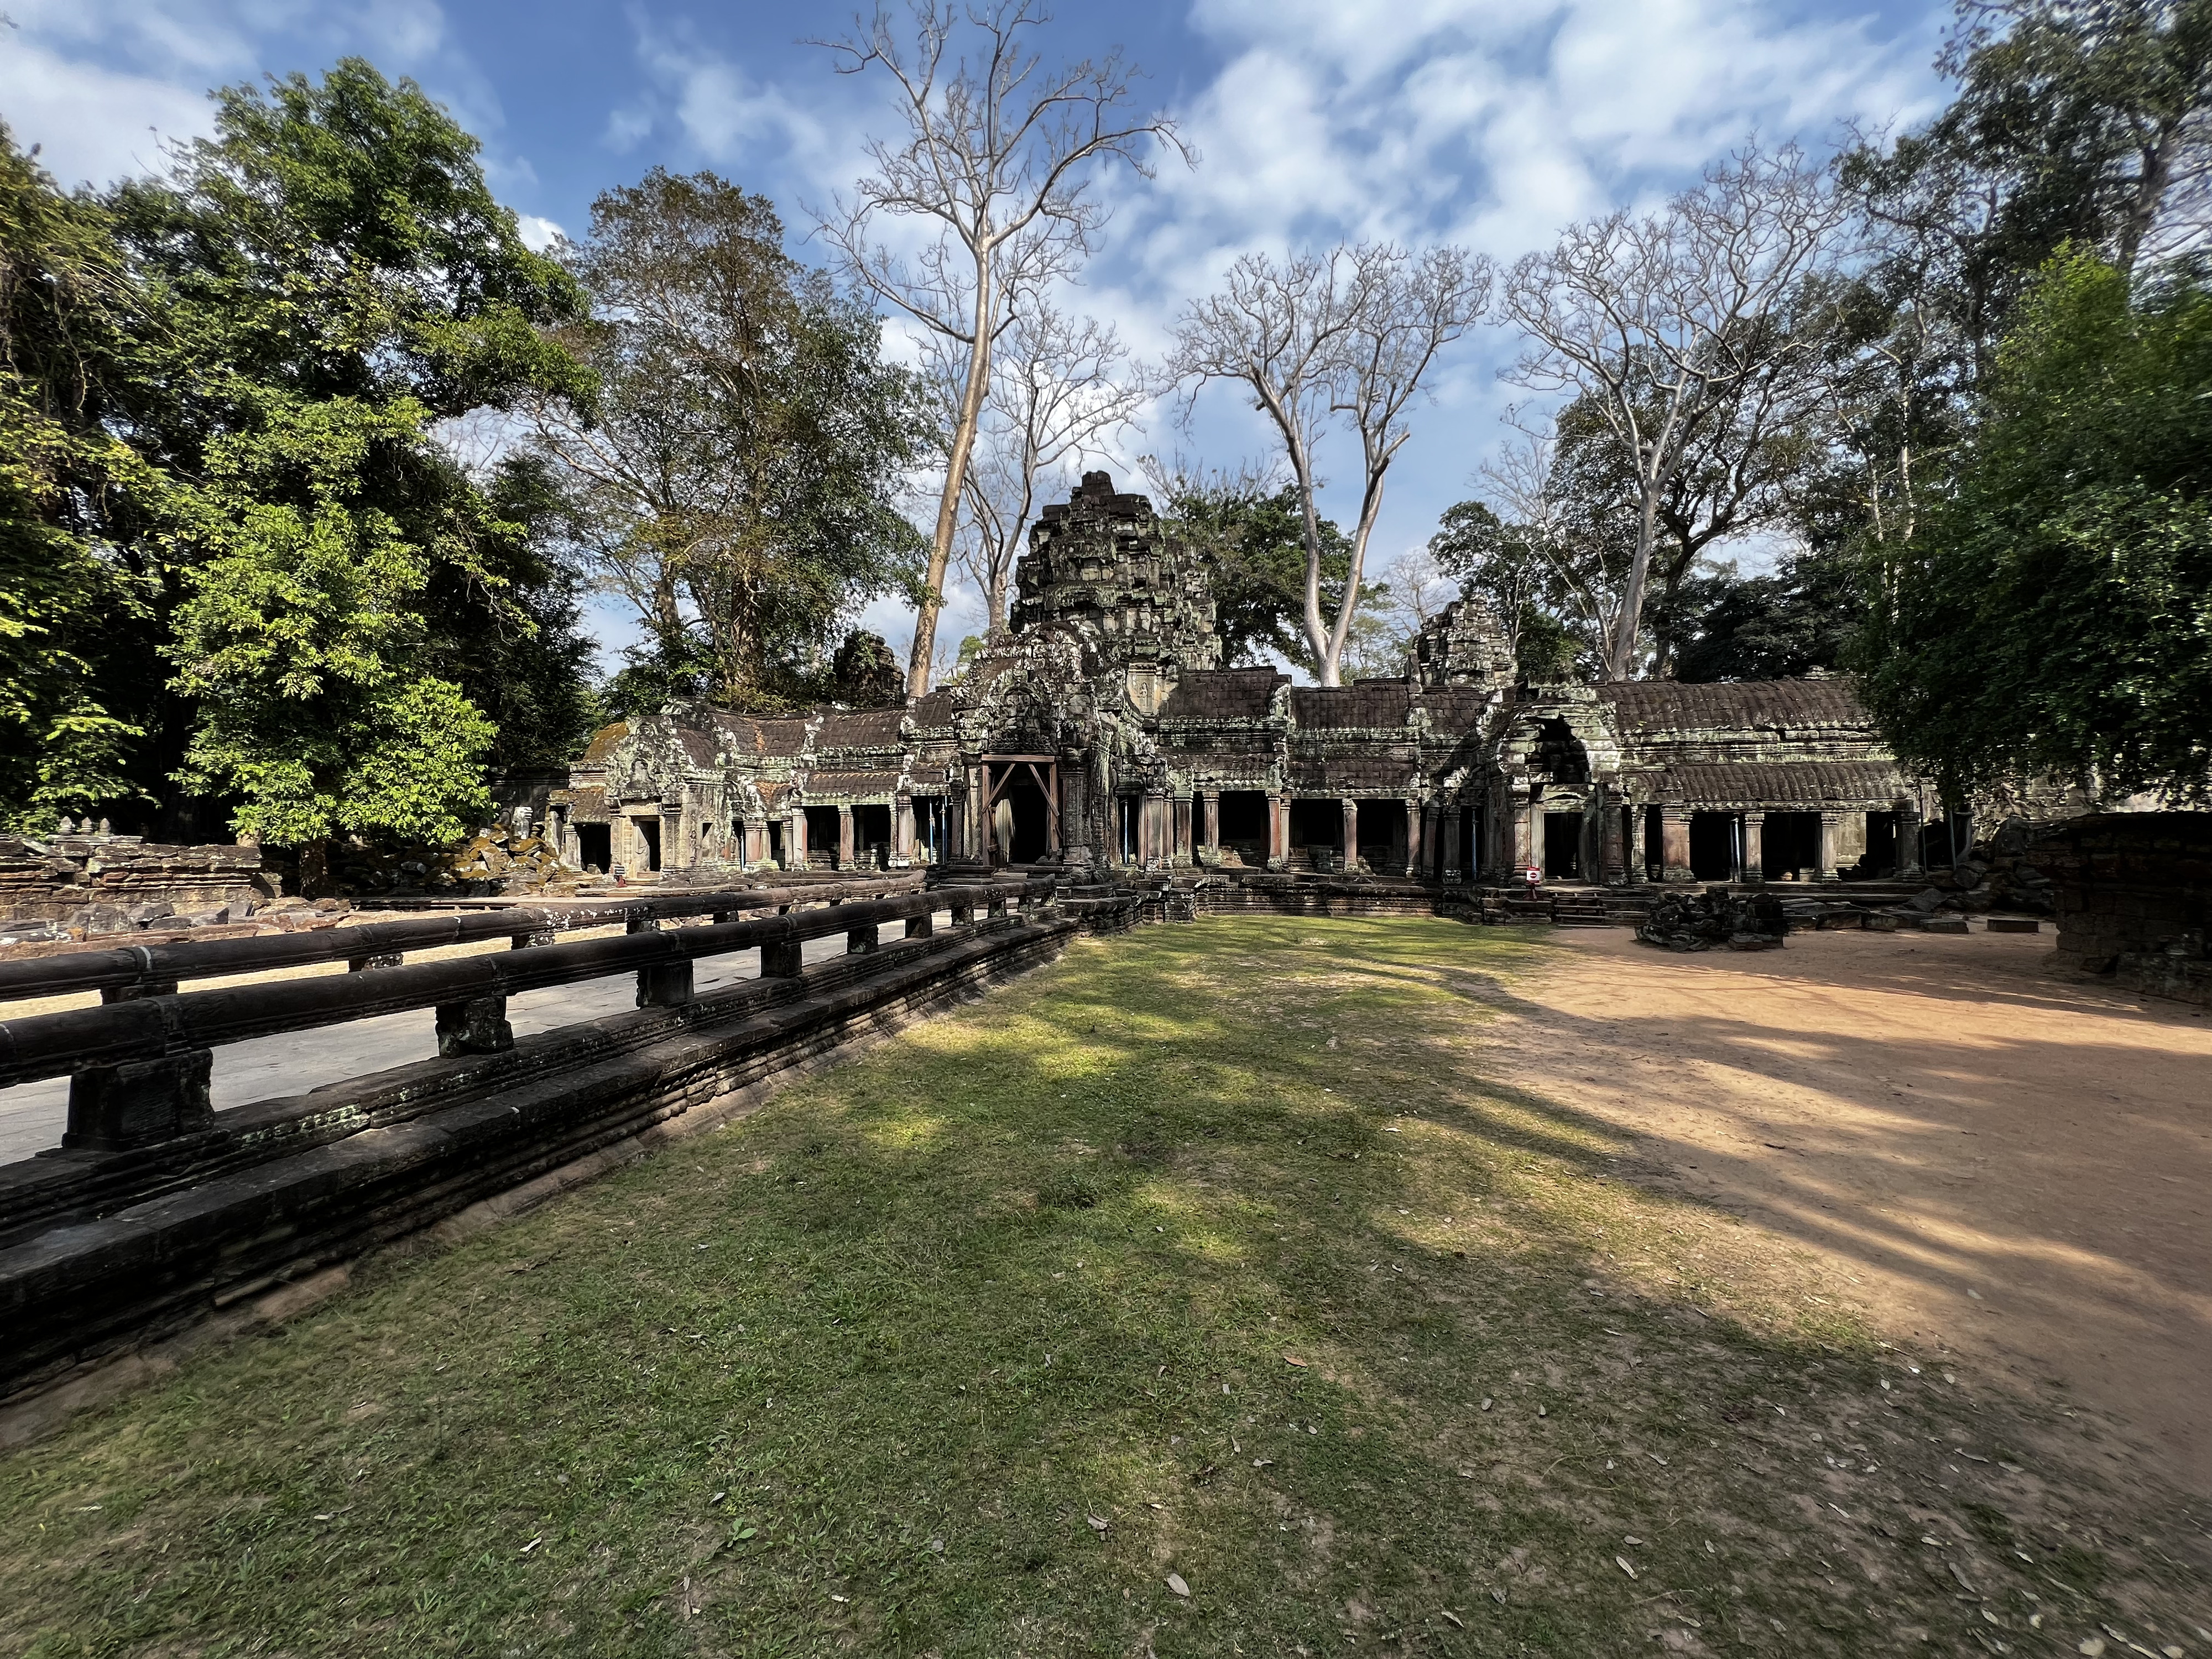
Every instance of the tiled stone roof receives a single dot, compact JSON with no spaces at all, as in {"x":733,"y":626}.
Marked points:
{"x":1223,"y":693}
{"x":749,"y":734}
{"x":1347,"y":707}
{"x":603,"y":742}
{"x":1644,"y":708}
{"x":860,"y":728}
{"x":1784,"y":785}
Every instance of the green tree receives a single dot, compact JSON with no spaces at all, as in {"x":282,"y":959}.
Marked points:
{"x":70,"y":603}
{"x":735,"y":477}
{"x":1253,"y":538}
{"x":326,"y":279}
{"x":2054,"y":615}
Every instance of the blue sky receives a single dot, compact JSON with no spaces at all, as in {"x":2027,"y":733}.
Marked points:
{"x":1487,"y":124}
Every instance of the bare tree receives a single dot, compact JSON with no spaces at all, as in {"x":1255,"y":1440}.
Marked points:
{"x":1654,"y":322}
{"x":996,"y":164}
{"x":1059,"y":387}
{"x":1409,"y":307}
{"x":1349,"y":334}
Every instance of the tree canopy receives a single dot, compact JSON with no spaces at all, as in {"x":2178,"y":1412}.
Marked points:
{"x":2054,"y":613}
{"x":735,"y":476}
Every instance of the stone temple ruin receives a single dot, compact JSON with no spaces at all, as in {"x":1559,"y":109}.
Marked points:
{"x":1099,"y":735}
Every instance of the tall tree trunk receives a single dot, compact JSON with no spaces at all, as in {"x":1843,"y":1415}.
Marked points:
{"x":1620,"y":654}
{"x":955,"y":479}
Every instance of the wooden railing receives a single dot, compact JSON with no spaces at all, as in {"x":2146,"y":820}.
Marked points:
{"x":139,"y":1066}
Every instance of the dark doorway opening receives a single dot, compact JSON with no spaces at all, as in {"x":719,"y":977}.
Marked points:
{"x":1021,"y":819}
{"x":592,"y":847}
{"x":649,"y":830}
{"x":1563,"y":846}
{"x":1381,"y":823}
{"x":1244,"y":823}
{"x":872,"y":837}
{"x":1712,"y":846}
{"x":776,"y":843}
{"x":1317,"y":823}
{"x":1880,"y":858}
{"x":1126,"y":808}
{"x":821,"y":837}
{"x":1791,"y":846}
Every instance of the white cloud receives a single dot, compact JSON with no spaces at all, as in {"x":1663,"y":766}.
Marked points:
{"x":100,"y":84}
{"x":91,"y":125}
{"x":730,"y":117}
{"x":537,"y":234}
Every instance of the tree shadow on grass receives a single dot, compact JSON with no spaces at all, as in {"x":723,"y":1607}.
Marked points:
{"x":969,"y":1346}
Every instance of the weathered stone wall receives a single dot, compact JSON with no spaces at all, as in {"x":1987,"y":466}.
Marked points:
{"x":2134,"y":899}
{"x":96,"y":883}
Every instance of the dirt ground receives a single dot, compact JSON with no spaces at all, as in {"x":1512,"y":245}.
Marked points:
{"x":2011,"y":1167}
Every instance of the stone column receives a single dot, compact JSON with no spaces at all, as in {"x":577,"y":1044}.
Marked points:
{"x":1675,"y":845}
{"x":1414,"y":811}
{"x":753,"y":852}
{"x":1074,"y":815}
{"x":1454,"y":839}
{"x":1210,"y":801}
{"x":901,"y":830}
{"x":1158,"y":850}
{"x":1279,"y":831}
{"x":1182,"y":831}
{"x":1754,"y":847}
{"x":1908,"y":838}
{"x":1614,"y":860}
{"x":1640,"y":869}
{"x":1350,"y":830}
{"x":1824,"y":862}
{"x":844,"y":838}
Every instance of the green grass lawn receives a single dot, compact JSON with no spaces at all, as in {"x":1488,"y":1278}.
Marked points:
{"x":1224,"y":1256}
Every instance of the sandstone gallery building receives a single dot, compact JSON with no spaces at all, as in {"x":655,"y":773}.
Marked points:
{"x":1098,"y":733}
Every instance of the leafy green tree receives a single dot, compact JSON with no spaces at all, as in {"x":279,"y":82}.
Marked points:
{"x":735,"y":476}
{"x":70,"y":603}
{"x":1253,"y":538}
{"x":326,"y":279}
{"x":1798,"y":620}
{"x":2054,"y":615}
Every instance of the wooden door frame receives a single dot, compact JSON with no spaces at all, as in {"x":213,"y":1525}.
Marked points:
{"x":1046,"y":780}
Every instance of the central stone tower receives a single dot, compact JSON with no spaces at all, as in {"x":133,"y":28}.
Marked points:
{"x":1106,"y":571}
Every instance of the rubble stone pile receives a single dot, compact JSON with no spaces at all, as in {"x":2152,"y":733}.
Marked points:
{"x":1713,"y":918}
{"x":1996,"y":875}
{"x":501,"y":859}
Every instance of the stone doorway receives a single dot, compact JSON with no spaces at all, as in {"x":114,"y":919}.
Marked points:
{"x":1244,"y":824}
{"x":1563,"y":846}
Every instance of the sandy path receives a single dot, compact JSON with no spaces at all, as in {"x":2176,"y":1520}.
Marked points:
{"x":2015,"y":1167}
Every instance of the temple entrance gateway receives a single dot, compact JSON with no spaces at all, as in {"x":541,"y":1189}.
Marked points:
{"x":592,"y":845}
{"x":1021,"y":807}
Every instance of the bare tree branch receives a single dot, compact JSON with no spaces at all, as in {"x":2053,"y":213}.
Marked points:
{"x":996,"y":163}
{"x":1655,"y":322}
{"x":1350,"y":333}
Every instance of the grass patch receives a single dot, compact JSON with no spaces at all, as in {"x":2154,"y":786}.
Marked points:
{"x":1225,"y":1252}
